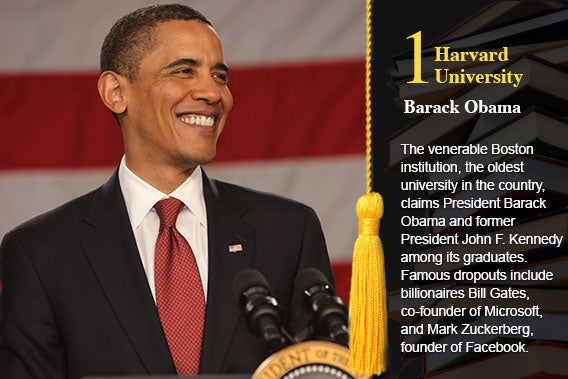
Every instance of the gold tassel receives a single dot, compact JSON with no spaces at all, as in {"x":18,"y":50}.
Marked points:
{"x":367,"y":304}
{"x":368,"y":322}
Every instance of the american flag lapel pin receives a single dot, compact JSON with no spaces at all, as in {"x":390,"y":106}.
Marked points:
{"x":237,"y":248}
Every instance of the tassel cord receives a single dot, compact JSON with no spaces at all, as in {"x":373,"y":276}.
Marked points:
{"x":368,"y":312}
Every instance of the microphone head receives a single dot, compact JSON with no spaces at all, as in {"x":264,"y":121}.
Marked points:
{"x":263,"y":317}
{"x":308,"y":278}
{"x":328,"y":311}
{"x":249,"y":278}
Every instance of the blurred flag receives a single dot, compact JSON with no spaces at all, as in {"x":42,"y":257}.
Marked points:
{"x":297,"y":126}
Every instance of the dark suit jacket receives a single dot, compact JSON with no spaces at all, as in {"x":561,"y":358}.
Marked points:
{"x":76,"y":301}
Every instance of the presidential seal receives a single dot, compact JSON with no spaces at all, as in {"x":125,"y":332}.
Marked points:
{"x":311,"y":359}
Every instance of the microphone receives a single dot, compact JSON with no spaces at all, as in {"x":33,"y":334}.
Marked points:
{"x":329,"y":312}
{"x":264,"y":318}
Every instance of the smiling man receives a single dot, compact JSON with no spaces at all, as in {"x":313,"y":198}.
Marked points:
{"x":136,"y":276}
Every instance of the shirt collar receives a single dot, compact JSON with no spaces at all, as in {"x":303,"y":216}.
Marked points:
{"x":140,"y":197}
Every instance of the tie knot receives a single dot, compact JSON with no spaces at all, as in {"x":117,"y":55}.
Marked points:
{"x":168,"y":210}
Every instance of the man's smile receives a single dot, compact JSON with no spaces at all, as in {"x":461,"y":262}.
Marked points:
{"x":197,"y":119}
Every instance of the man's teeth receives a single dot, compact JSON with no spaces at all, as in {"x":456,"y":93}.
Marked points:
{"x":198,"y":120}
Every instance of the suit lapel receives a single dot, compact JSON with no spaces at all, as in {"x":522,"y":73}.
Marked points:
{"x":113,"y":254}
{"x":225,"y":229}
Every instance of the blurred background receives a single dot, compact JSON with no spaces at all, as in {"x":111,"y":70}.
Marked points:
{"x":297,"y":126}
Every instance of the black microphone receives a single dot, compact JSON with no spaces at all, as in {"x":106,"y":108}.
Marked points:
{"x":264,"y":318}
{"x":330,"y":315}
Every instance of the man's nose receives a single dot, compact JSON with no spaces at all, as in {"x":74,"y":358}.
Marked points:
{"x":207,"y":90}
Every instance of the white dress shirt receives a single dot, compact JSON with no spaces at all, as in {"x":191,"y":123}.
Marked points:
{"x":140,"y":198}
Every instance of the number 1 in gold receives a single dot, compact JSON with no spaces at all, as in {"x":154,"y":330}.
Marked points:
{"x":417,"y":37}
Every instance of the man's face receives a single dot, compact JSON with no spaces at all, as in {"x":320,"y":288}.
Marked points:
{"x":177,"y":106}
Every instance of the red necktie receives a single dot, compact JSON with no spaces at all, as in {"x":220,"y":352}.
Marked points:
{"x":179,"y":292}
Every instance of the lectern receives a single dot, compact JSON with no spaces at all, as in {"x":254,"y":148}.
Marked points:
{"x":309,"y":360}
{"x":170,"y":377}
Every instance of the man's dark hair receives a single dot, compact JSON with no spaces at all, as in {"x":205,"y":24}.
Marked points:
{"x":131,"y":38}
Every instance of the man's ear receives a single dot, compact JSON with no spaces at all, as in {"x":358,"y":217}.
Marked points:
{"x":111,"y":89}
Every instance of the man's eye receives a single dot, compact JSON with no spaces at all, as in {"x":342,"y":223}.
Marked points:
{"x":222,"y":77}
{"x":184,"y":71}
